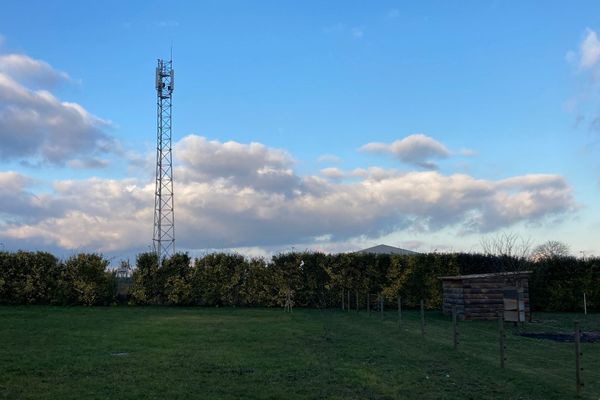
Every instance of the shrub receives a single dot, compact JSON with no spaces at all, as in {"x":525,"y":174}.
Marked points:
{"x":175,"y":279}
{"x":558,"y":284}
{"x":30,"y":278}
{"x":145,"y":287}
{"x":219,"y":279}
{"x":89,"y":281}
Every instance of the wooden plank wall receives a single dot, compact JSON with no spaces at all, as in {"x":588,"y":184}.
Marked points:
{"x":479,"y":298}
{"x":453,"y":296}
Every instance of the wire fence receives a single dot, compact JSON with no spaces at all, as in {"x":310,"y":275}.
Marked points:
{"x":560,"y":354}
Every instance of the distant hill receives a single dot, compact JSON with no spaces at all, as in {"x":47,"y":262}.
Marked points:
{"x":385,"y":249}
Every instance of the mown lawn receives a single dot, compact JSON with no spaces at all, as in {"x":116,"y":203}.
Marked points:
{"x":182,"y":353}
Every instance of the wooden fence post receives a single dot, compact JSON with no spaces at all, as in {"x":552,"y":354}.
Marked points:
{"x":454,"y":328}
{"x":356,"y":301}
{"x":342,"y":299}
{"x":578,"y":355}
{"x":369,"y":304}
{"x":520,"y":321}
{"x":422,"y":317}
{"x":584,"y":304}
{"x":502,"y":337}
{"x":381,"y":305}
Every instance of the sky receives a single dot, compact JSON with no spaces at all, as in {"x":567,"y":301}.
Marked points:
{"x":329,"y":126}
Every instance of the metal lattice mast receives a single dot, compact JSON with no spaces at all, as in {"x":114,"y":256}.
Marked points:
{"x":164,"y":216}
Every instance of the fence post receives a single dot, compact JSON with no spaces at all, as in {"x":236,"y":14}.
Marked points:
{"x":584,"y":304}
{"x":369,"y":304}
{"x":519,"y":321}
{"x":381,"y":305}
{"x":399,"y":310}
{"x":454,"y":328}
{"x":502,"y":337}
{"x":357,"y":301}
{"x":422,"y":318}
{"x":578,"y":355}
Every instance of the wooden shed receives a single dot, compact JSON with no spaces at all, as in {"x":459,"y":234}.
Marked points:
{"x":485,"y":296}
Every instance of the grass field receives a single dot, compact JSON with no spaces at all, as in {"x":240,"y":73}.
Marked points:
{"x":182,"y":353}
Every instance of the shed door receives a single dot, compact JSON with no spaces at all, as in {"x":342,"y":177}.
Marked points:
{"x":513,"y":311}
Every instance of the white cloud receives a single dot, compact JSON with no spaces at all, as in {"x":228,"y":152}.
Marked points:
{"x":375,"y":173}
{"x":30,"y":71}
{"x":417,"y":149}
{"x":589,"y":50}
{"x":223,"y":200}
{"x":332,"y":172}
{"x":100,"y":214}
{"x":17,"y":202}
{"x":38,"y":128}
{"x":253,"y":165}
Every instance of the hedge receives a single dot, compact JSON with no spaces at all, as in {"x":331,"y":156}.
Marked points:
{"x":40,"y":278}
{"x":315,"y":280}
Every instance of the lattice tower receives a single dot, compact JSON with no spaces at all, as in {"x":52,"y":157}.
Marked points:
{"x":163,"y":239}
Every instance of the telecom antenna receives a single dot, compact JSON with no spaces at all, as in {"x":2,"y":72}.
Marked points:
{"x":163,"y":239}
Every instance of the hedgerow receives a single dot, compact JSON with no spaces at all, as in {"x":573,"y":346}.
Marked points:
{"x":314,"y":279}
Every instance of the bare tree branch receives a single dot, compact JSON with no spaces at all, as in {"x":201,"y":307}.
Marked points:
{"x":550,"y":249}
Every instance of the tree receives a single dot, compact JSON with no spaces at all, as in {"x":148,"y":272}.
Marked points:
{"x":511,"y":250}
{"x":506,"y":244}
{"x":550,"y":249}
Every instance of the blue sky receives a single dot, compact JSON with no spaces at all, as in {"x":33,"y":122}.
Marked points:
{"x":503,"y":95}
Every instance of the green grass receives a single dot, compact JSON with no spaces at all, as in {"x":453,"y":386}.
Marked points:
{"x":182,"y":353}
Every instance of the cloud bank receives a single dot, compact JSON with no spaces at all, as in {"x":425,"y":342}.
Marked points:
{"x":37,"y":128}
{"x":230,"y":194}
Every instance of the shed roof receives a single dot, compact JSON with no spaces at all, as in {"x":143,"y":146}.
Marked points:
{"x":522,"y":274}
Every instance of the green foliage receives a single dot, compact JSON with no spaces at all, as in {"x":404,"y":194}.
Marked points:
{"x":30,"y":278}
{"x":313,"y":279}
{"x":168,"y":284}
{"x":558,"y":283}
{"x":259,"y":284}
{"x":175,"y":278}
{"x":417,"y":277}
{"x":89,"y":281}
{"x":40,"y":278}
{"x":220,"y":279}
{"x":145,"y":288}
{"x":305,"y":274}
